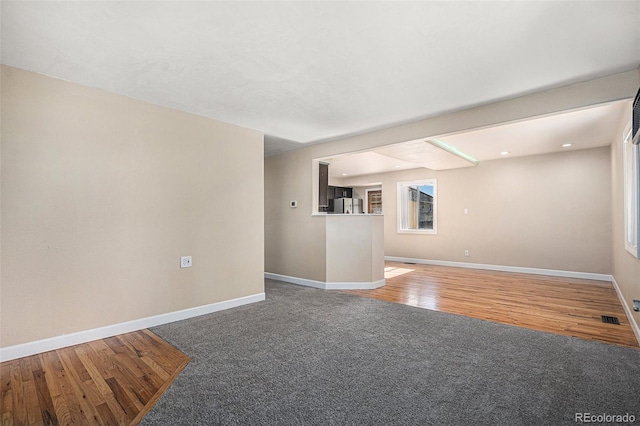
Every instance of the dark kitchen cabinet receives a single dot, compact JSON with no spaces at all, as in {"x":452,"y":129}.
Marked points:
{"x":323,"y":190}
{"x":339,"y":192}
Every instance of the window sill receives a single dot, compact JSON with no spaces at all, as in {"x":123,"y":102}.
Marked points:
{"x":419,"y":232}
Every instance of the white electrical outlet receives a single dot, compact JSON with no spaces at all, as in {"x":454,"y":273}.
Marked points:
{"x":466,"y":211}
{"x":185,"y":261}
{"x":466,"y":253}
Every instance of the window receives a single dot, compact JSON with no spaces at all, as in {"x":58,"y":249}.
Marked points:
{"x":417,"y":207}
{"x":631,"y":189}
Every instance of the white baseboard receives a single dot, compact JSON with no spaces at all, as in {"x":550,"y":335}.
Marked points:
{"x":503,"y":268}
{"x":627,"y":310}
{"x":293,"y":280}
{"x":355,"y":286}
{"x":326,"y":285}
{"x":53,"y":343}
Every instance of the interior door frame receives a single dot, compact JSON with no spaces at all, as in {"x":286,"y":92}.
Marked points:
{"x":366,"y":198}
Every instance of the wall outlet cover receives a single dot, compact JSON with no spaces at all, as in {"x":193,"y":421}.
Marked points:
{"x":185,"y":261}
{"x":636,"y":305}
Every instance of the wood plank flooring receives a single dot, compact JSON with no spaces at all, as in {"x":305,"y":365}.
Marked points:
{"x":116,"y":381}
{"x":567,"y":306}
{"x":113,"y":381}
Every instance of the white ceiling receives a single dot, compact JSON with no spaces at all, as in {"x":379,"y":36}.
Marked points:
{"x":583,"y":129}
{"x":313,"y":71}
{"x":586,"y":128}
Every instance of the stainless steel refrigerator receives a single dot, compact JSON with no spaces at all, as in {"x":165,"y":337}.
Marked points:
{"x":346,"y":205}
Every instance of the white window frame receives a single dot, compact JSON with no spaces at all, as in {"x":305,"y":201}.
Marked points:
{"x":631,"y":160}
{"x":402,"y":204}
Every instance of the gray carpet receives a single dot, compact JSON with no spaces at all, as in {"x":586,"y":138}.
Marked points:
{"x":313,"y":357}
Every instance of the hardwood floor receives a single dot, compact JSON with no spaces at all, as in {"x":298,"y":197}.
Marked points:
{"x":113,"y":381}
{"x":116,"y":381}
{"x":567,"y":306}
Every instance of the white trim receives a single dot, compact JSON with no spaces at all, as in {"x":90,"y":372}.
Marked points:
{"x":632,"y":319}
{"x":294,"y":280}
{"x":367,"y":285}
{"x":53,"y":343}
{"x":401,"y":204}
{"x":355,"y":285}
{"x":631,"y":162}
{"x":417,"y":231}
{"x":517,"y":269}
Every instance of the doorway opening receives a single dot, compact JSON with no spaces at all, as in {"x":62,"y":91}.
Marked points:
{"x":374,"y":201}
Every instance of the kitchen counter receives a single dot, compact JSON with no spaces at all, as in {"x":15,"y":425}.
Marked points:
{"x":347,"y":214}
{"x":354,"y":251}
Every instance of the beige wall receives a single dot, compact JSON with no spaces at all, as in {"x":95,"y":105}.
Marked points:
{"x":625,"y":268}
{"x":102,"y":194}
{"x":355,"y":248}
{"x":294,"y":242}
{"x":547,"y":211}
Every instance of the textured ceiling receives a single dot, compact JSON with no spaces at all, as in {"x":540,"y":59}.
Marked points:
{"x":314,"y":71}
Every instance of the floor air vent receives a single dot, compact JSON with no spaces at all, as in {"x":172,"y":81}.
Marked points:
{"x":610,"y":320}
